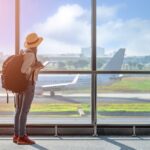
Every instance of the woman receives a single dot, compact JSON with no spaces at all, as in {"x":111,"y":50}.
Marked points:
{"x":31,"y":68}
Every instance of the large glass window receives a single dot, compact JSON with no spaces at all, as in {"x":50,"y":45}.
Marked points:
{"x":122,"y":44}
{"x":122,"y":25}
{"x":64,"y":99}
{"x":7,"y":48}
{"x":7,"y":26}
{"x":66,"y":29}
{"x":123,"y":99}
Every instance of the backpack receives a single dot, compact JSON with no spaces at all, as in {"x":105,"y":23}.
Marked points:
{"x":12,"y":78}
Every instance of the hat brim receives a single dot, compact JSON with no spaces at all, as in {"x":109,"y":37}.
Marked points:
{"x":26,"y":45}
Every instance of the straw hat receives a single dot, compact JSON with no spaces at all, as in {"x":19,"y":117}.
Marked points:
{"x":32,"y":40}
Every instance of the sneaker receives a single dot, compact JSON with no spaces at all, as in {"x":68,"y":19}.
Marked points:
{"x":15,"y":137}
{"x":24,"y":140}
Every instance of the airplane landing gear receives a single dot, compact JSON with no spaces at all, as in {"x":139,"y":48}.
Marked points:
{"x":52,"y":93}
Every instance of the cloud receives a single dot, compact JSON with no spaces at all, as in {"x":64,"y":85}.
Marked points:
{"x":69,"y":30}
{"x":66,"y":31}
{"x":115,"y":32}
{"x":133,"y":34}
{"x":107,"y":12}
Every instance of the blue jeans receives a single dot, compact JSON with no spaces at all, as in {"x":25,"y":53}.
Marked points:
{"x":23,"y":102}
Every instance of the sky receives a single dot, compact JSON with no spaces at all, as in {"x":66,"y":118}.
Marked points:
{"x":65,"y":25}
{"x":7,"y":26}
{"x":124,"y":23}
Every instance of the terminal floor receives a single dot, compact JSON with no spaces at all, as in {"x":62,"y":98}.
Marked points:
{"x":80,"y":143}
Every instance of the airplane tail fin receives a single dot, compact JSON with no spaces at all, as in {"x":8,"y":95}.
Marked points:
{"x":116,"y":62}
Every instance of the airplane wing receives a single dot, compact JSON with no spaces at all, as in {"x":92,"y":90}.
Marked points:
{"x":60,"y":85}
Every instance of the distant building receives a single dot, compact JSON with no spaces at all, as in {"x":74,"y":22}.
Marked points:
{"x":65,"y":55}
{"x":86,"y":52}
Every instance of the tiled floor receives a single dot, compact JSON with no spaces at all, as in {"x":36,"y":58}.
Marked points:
{"x":79,"y":143}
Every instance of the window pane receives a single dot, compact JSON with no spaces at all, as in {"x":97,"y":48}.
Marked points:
{"x":121,"y":24}
{"x":64,"y":99}
{"x":123,"y":99}
{"x":7,"y":48}
{"x":66,"y":29}
{"x":7,"y":36}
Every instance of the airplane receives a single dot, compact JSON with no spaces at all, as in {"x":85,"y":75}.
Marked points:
{"x":53,"y":83}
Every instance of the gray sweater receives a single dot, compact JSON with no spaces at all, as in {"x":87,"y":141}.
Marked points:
{"x":29,"y":61}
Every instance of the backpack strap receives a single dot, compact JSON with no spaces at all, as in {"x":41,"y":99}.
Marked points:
{"x":14,"y":100}
{"x":33,"y":77}
{"x":7,"y":96}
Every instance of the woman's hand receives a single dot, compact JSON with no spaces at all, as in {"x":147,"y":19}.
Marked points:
{"x":38,"y":65}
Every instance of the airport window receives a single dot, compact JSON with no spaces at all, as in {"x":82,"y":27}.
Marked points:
{"x":66,"y":28}
{"x":55,"y":103}
{"x":62,"y":102}
{"x":123,"y":99}
{"x":120,"y":25}
{"x":122,"y":45}
{"x":7,"y":33}
{"x":66,"y":98}
{"x":7,"y":48}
